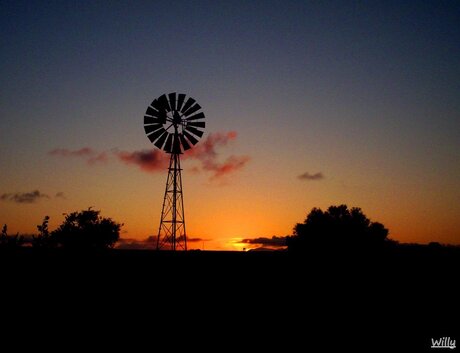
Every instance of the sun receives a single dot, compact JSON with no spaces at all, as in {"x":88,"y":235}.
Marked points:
{"x":236,"y":244}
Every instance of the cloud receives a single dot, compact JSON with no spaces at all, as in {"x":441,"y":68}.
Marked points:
{"x":60,"y":195}
{"x":191,"y":240}
{"x":64,"y":152}
{"x":147,"y":160}
{"x":232,"y":164}
{"x":266,"y":242}
{"x":207,"y":148}
{"x":149,"y":243}
{"x":128,"y":243}
{"x":101,"y":157}
{"x":24,"y":197}
{"x":154,"y":160}
{"x":308,"y":176}
{"x":206,"y":153}
{"x":90,"y":155}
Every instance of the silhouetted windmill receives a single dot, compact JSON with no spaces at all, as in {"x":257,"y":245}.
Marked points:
{"x":173,"y":123}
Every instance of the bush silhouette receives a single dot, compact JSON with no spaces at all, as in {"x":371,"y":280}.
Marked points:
{"x":86,"y":230}
{"x":336,"y":228}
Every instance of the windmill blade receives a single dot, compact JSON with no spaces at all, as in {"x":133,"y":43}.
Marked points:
{"x":194,"y":131}
{"x":158,"y":114}
{"x":197,"y":124}
{"x":156,"y":104}
{"x":168,"y":145}
{"x":151,"y":111}
{"x":151,"y":120}
{"x":180,"y":101}
{"x":187,"y":105}
{"x":161,"y":140}
{"x":184,"y":142}
{"x":176,"y":144}
{"x":192,"y":110}
{"x":153,"y":136}
{"x":151,"y":128}
{"x":172,"y":100}
{"x":196,"y":117}
{"x":163,"y":103}
{"x":191,"y":138}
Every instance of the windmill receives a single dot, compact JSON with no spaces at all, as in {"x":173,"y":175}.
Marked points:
{"x":173,"y":123}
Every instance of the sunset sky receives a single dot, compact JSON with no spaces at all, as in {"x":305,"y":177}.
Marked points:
{"x":307,"y":104}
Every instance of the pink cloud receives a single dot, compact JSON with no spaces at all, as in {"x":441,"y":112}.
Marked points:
{"x":154,"y":160}
{"x":206,"y":153}
{"x":102,"y":157}
{"x":90,"y":155}
{"x":231,"y":165}
{"x":207,"y":148}
{"x":146,"y":160}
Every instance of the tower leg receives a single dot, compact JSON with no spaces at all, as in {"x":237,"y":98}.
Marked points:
{"x":171,"y":232}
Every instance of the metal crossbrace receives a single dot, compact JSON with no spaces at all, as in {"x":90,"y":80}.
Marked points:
{"x":171,"y":232}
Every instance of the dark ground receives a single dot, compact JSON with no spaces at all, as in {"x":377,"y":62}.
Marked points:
{"x":372,"y":301}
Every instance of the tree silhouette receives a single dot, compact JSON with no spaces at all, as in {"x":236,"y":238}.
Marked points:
{"x":86,"y":230}
{"x":4,"y":236}
{"x":336,"y":228}
{"x":43,"y":239}
{"x":9,"y":241}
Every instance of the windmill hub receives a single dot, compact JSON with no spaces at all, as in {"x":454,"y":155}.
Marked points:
{"x":173,"y":124}
{"x":177,"y":120}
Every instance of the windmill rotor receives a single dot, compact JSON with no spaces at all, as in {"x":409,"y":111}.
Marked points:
{"x":174,"y":122}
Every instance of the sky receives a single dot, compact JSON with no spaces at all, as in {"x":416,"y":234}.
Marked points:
{"x":308,"y":104}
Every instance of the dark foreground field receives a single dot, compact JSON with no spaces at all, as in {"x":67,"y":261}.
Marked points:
{"x":361,"y":300}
